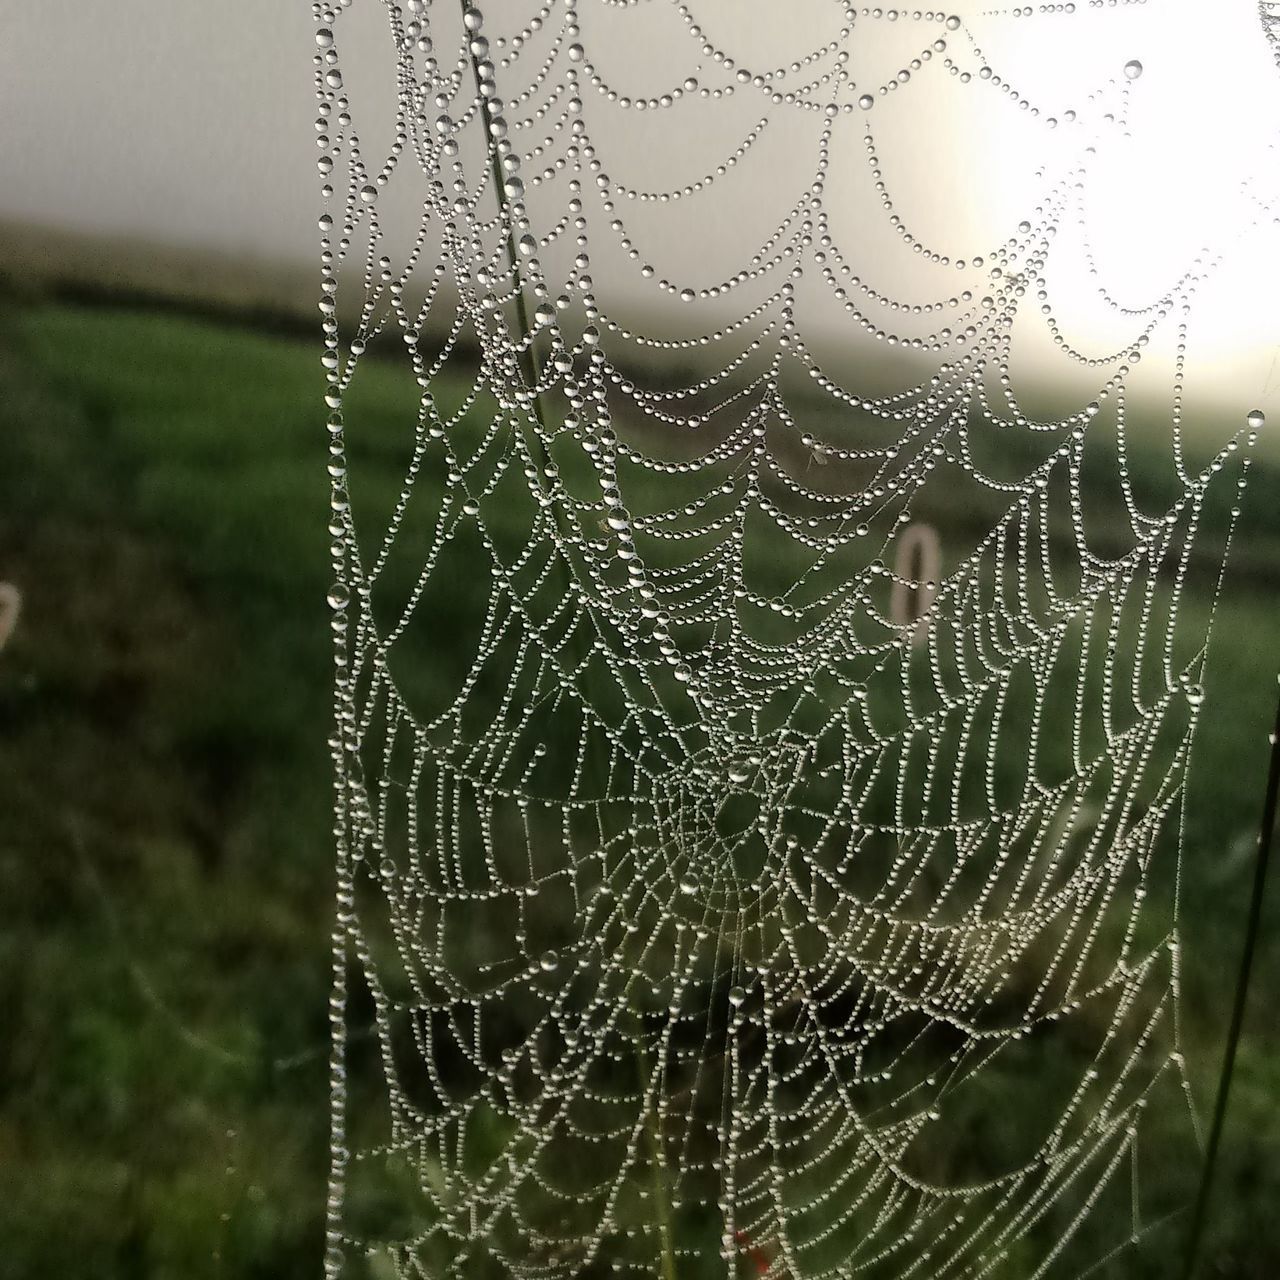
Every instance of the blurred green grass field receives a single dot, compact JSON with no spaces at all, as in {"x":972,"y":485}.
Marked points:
{"x":164,"y":823}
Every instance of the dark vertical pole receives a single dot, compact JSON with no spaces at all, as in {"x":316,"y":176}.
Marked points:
{"x":1237,"y":1012}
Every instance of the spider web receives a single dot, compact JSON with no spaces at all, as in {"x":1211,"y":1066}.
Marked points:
{"x":719,"y":895}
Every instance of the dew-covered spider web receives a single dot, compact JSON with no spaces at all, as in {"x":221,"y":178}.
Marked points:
{"x":762,"y":712}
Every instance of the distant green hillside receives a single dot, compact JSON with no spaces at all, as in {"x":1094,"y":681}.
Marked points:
{"x":164,"y":825}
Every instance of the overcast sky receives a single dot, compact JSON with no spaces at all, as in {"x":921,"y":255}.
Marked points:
{"x":192,"y":124}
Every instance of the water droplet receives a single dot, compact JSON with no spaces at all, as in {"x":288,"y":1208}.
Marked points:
{"x":368,"y":193}
{"x":1132,"y":69}
{"x":548,"y":961}
{"x":737,"y":997}
{"x":866,"y":102}
{"x":576,"y":53}
{"x":688,"y":885}
{"x":544,"y":313}
{"x":339,"y":596}
{"x":1256,"y":418}
{"x":324,"y":38}
{"x":1195,"y":694}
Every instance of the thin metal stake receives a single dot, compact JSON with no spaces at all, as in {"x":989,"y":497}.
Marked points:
{"x":1237,"y":1013}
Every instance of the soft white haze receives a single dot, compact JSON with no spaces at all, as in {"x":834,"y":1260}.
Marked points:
{"x":192,"y":125}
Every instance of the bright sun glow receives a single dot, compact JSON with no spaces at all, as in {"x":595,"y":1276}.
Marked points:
{"x":1193,"y":174}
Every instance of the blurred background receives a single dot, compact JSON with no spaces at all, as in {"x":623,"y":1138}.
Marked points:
{"x":165,"y":849}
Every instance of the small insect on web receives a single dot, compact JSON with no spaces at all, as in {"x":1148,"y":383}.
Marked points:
{"x":718,"y":893}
